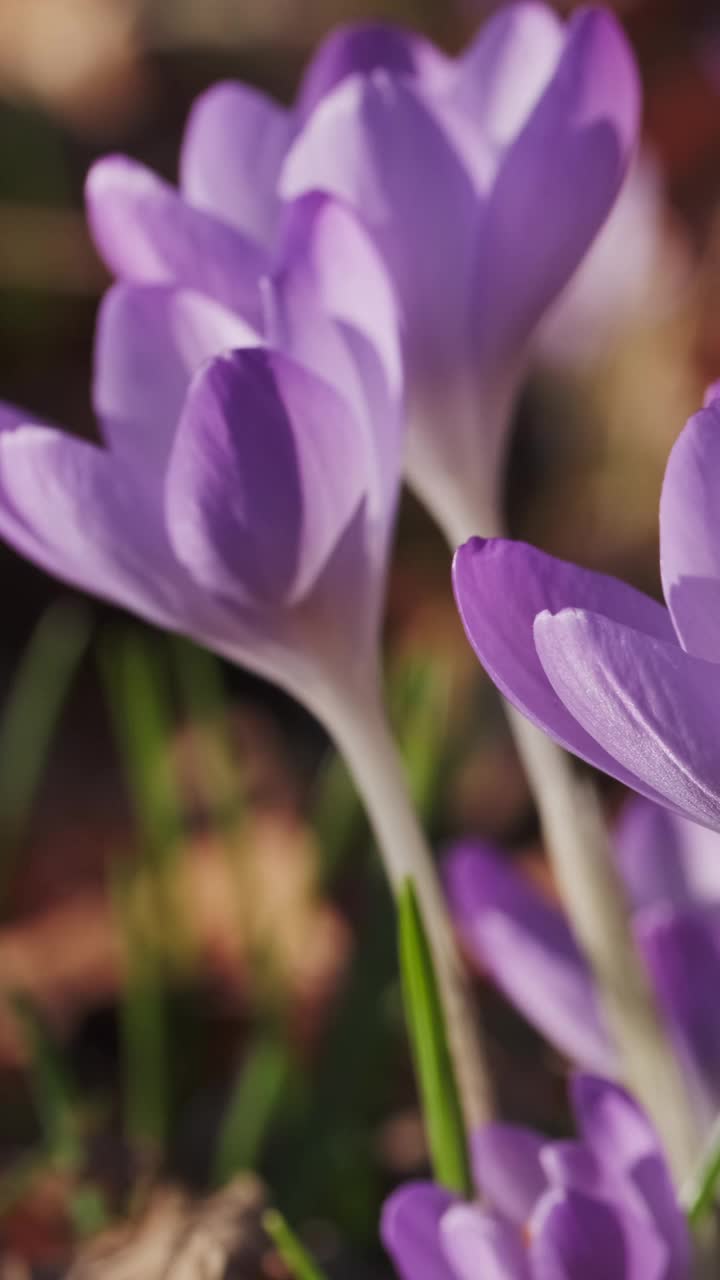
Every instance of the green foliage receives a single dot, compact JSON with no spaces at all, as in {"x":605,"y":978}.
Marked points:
{"x":257,"y":1095}
{"x":433,"y":1065}
{"x":291,"y":1250}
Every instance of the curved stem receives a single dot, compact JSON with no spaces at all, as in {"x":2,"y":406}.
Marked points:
{"x":577,"y":842}
{"x":359,"y":726}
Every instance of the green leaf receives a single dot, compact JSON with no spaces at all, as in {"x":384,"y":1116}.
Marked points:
{"x":702,"y":1195}
{"x":291,"y":1250}
{"x":259,"y":1090}
{"x":55,"y":1097}
{"x":431,"y":1055}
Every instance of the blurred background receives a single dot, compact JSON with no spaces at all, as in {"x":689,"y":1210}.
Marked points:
{"x":197,"y":953}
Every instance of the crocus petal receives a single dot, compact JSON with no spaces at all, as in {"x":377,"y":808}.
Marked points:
{"x":559,"y":177}
{"x":147,"y":233}
{"x":506,"y":1169}
{"x":365,"y":48}
{"x":376,"y":144}
{"x":150,"y":340}
{"x":410,"y":1231}
{"x":689,"y":542}
{"x":654,"y":707}
{"x":664,"y":858}
{"x":233,"y":148}
{"x":477,"y":1244}
{"x":527,"y":947}
{"x":575,"y":1235}
{"x":500,"y":588}
{"x":622,"y":1138}
{"x":682,"y":951}
{"x":265,"y":474}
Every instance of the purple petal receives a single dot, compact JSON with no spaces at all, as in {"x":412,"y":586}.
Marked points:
{"x":623,"y":1140}
{"x":500,"y":588}
{"x":234,"y":145}
{"x":410,"y":1231}
{"x":266,"y":473}
{"x":665,"y":858}
{"x":147,"y":233}
{"x":575,"y":1235}
{"x":690,"y":535}
{"x":363,"y":49}
{"x":374,"y":142}
{"x":150,"y":340}
{"x":648,"y":703}
{"x":682,"y":951}
{"x":507,"y":1170}
{"x":528,"y":948}
{"x":478,"y":1244}
{"x":560,"y":178}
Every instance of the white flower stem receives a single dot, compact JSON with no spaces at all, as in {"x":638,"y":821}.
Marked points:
{"x":358,"y":724}
{"x":578,"y":845}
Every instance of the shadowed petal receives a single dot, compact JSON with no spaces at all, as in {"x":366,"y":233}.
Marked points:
{"x":150,"y":340}
{"x":527,"y":947}
{"x":648,"y":703}
{"x":265,"y":474}
{"x":560,"y":178}
{"x":410,"y":1231}
{"x":233,"y":148}
{"x":690,"y":534}
{"x":500,"y":588}
{"x":147,"y":233}
{"x":665,"y":858}
{"x":574,"y":1235}
{"x":506,"y":1169}
{"x":477,"y":1244}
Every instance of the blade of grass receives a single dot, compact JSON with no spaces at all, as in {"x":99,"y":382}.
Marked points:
{"x":291,"y":1249}
{"x":30,"y":715}
{"x":258,"y":1093}
{"x":53,"y":1091}
{"x":199,"y":677}
{"x":433,"y":1065}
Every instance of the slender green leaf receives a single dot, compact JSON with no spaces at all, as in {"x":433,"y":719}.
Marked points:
{"x":259,"y":1090}
{"x":200,"y":679}
{"x":703,"y":1194}
{"x":55,"y":1096}
{"x":431,"y":1055}
{"x":291,"y":1250}
{"x":30,"y":715}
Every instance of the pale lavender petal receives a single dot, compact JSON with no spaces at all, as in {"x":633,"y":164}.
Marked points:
{"x":150,"y":341}
{"x":375,"y":143}
{"x":147,"y":233}
{"x":506,"y":1169}
{"x":666,"y":858}
{"x":682,"y":951}
{"x":556,"y":184}
{"x":623,"y":1139}
{"x":480,"y":1245}
{"x":500,"y":588}
{"x":410,"y":1231}
{"x":651,"y":706}
{"x":527,"y":947}
{"x":365,"y":48}
{"x":233,"y":148}
{"x":690,"y":534}
{"x":266,"y":473}
{"x":574,"y":1235}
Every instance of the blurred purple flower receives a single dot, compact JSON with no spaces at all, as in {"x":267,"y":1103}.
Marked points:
{"x":671,"y":869}
{"x":484,"y":180}
{"x":627,"y":684}
{"x":247,"y":500}
{"x":601,"y":1207}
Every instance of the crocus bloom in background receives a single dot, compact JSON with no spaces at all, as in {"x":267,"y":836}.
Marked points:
{"x":247,"y":501}
{"x":671,"y":869}
{"x":484,"y":181}
{"x":626,"y":683}
{"x":601,"y":1207}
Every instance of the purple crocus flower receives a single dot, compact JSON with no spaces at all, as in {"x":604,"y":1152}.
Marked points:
{"x":245,"y":498}
{"x":671,"y":870}
{"x":600,"y":1207}
{"x":484,"y":181}
{"x":626,"y":683}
